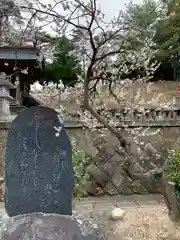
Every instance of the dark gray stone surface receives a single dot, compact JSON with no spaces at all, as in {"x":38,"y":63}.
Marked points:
{"x":40,"y":226}
{"x":89,"y":228}
{"x":39,"y":175}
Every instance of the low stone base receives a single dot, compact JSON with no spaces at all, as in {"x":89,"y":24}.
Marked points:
{"x":48,"y":227}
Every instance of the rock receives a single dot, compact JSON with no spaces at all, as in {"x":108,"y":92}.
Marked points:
{"x":97,"y":174}
{"x":99,"y":141}
{"x":40,"y":226}
{"x":92,"y":189}
{"x":151,"y":180}
{"x":149,"y":149}
{"x":109,"y":167}
{"x":117,"y":214}
{"x":99,"y":192}
{"x":83,"y":194}
{"x":116,"y":173}
{"x":95,"y":190}
{"x":90,"y":230}
{"x":122,"y":182}
{"x":134,"y":149}
{"x":104,"y":154}
{"x":49,"y":227}
{"x":110,"y":189}
{"x":83,"y":191}
{"x":155,"y":156}
{"x":134,"y":168}
{"x":138,"y":188}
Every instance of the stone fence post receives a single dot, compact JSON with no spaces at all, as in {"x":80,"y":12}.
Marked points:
{"x":5,"y":86}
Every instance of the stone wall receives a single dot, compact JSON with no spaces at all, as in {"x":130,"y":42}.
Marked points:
{"x":167,"y":138}
{"x":111,"y":171}
{"x":165,"y":123}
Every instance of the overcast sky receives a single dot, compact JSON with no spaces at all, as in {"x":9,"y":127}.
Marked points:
{"x":112,"y":7}
{"x":109,"y":7}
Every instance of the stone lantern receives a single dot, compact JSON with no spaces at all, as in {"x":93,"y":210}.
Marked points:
{"x":5,"y":98}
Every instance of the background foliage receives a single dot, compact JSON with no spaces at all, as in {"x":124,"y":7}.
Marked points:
{"x":80,"y":162}
{"x":65,"y":66}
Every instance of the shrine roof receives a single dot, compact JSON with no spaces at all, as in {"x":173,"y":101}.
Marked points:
{"x":15,"y":52}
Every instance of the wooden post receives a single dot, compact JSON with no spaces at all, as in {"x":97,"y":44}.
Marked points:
{"x":18,"y":91}
{"x":178,"y":93}
{"x":172,"y":201}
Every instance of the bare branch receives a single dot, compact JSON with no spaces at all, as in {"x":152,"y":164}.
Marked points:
{"x":104,"y":46}
{"x":56,"y":15}
{"x":33,"y":15}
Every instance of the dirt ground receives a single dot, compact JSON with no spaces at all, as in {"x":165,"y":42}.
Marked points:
{"x":146,"y":217}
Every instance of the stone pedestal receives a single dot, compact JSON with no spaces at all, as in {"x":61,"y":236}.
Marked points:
{"x":49,"y":227}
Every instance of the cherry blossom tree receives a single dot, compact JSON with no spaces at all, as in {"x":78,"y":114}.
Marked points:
{"x":106,"y":52}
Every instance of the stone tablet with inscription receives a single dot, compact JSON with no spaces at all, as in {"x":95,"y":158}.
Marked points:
{"x":39,"y":175}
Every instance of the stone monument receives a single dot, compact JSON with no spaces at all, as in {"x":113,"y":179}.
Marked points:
{"x":39,"y":175}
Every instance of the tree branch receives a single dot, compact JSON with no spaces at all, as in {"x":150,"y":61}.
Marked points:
{"x":101,"y":120}
{"x":56,"y":16}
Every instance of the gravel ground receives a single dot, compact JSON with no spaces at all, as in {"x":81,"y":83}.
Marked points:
{"x":145,"y":223}
{"x":146,"y":217}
